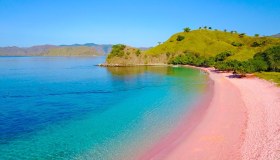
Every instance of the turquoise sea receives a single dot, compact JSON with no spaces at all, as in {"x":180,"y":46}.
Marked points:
{"x":68,"y":108}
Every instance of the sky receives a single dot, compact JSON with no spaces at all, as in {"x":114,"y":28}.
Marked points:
{"x":139,"y":23}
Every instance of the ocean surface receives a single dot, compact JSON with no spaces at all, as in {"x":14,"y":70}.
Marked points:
{"x":68,"y":108}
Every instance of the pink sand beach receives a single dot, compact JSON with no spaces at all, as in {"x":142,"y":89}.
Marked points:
{"x":239,"y":119}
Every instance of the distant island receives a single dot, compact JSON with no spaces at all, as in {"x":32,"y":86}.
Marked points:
{"x":276,"y":35}
{"x":88,"y":49}
{"x":207,"y":47}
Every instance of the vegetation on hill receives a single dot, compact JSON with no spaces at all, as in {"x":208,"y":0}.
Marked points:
{"x":203,"y":43}
{"x":226,"y":51}
{"x":268,"y":60}
{"x":124,"y":55}
{"x":207,"y":43}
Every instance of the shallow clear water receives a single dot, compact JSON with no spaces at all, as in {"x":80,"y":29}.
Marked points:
{"x":67,"y":108}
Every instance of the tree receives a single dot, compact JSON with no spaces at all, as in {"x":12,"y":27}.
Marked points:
{"x":272,"y":57}
{"x":209,"y":28}
{"x":225,"y":30}
{"x":222,"y":56}
{"x":117,"y":51}
{"x":199,"y":28}
{"x":257,"y":35}
{"x":138,"y":52}
{"x":205,"y":27}
{"x":210,"y":62}
{"x":187,"y":29}
{"x":257,"y":65}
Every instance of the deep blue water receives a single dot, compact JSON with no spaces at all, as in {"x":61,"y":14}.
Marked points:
{"x":68,"y":108}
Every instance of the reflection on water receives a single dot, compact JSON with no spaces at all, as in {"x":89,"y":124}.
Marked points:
{"x":134,"y":70}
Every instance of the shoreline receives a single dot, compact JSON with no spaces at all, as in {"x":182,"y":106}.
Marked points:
{"x":185,"y":126}
{"x":228,"y":126}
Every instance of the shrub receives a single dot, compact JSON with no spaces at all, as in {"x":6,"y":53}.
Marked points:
{"x":257,"y":65}
{"x":258,"y":44}
{"x":168,"y":54}
{"x":241,"y":35}
{"x":236,"y":44}
{"x":269,"y":60}
{"x":255,"y":44}
{"x":228,"y":65}
{"x":222,"y":56}
{"x":210,"y":62}
{"x":272,"y":57}
{"x":138,"y":52}
{"x":189,"y":58}
{"x":180,"y":38}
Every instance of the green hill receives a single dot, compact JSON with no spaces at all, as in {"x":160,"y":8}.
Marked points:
{"x":205,"y":43}
{"x":226,"y":51}
{"x":210,"y":43}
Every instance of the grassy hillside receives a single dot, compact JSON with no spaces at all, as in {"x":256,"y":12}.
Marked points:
{"x":72,"y":51}
{"x":203,"y":42}
{"x":270,"y":76}
{"x":210,"y":43}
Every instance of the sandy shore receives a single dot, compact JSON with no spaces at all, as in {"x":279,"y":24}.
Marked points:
{"x":241,"y":121}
